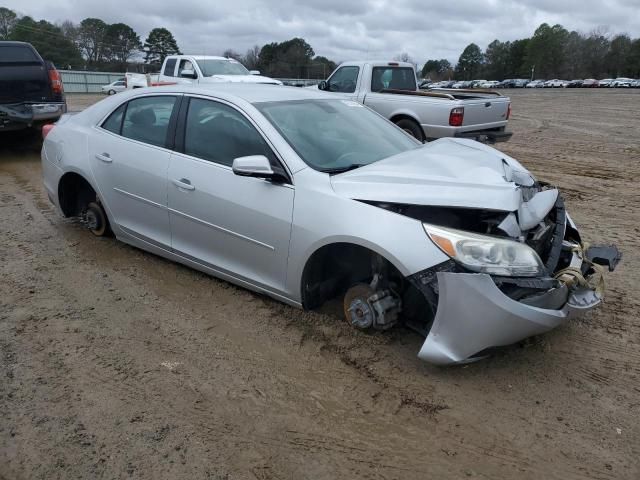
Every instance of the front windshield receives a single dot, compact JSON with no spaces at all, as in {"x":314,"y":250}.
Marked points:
{"x":336,"y":135}
{"x":213,"y":67}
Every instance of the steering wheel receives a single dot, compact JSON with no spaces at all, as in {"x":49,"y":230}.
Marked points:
{"x":348,"y":86}
{"x":344,"y":86}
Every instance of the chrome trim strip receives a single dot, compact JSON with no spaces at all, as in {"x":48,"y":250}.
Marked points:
{"x":222,"y":229}
{"x":142,"y":199}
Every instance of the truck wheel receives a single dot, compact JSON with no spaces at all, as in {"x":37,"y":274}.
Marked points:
{"x":411,"y":127}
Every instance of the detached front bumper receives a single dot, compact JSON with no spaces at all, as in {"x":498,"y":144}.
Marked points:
{"x":473,"y":315}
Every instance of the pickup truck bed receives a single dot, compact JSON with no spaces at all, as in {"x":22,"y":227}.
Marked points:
{"x":30,"y":89}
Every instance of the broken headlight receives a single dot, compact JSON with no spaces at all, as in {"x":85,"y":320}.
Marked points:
{"x":482,"y":253}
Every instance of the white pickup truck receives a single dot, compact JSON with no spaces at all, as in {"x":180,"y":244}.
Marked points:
{"x":208,"y":69}
{"x":390,"y":88}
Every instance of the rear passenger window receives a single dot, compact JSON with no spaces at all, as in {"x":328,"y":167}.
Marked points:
{"x":147,"y":119}
{"x":169,"y":68}
{"x":219,"y":133}
{"x":114,"y":122}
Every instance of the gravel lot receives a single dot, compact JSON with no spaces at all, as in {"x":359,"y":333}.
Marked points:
{"x":115,"y":363}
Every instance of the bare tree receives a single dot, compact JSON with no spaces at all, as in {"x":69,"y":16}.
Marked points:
{"x":70,"y":30}
{"x":8,"y":20}
{"x":230,"y":53}
{"x":91,"y":35}
{"x":252,"y":58}
{"x":404,"y":57}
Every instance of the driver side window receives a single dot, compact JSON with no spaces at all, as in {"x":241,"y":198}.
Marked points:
{"x":344,"y":80}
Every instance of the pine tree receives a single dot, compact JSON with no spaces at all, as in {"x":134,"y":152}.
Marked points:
{"x":158,"y":45}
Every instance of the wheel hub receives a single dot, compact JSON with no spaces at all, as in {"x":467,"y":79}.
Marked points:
{"x":91,"y":220}
{"x":360,"y":313}
{"x":365,"y":307}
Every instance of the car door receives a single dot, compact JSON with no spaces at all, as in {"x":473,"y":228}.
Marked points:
{"x":344,"y":82}
{"x":129,"y":160}
{"x":238,"y":226}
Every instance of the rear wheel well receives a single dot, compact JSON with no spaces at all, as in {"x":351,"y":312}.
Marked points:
{"x":416,"y":130}
{"x":74,"y":194}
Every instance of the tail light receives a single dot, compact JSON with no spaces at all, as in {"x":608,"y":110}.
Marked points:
{"x":456,"y":117}
{"x":46,"y":129}
{"x":508,"y":111}
{"x":56,"y":82}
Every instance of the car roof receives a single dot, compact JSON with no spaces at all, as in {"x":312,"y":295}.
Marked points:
{"x":376,"y":63}
{"x":249,"y":92}
{"x":13,"y":43}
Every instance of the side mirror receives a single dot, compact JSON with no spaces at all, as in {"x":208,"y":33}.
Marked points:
{"x":188,"y":74}
{"x":252,"y":166}
{"x":323,"y":85}
{"x":254,"y":72}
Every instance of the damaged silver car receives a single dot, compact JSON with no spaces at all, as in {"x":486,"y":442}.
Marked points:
{"x":308,"y":198}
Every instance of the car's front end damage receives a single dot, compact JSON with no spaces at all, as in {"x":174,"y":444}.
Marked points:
{"x":478,"y":311}
{"x":518,"y":266}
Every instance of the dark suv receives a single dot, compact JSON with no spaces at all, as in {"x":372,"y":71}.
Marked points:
{"x":31,"y":92}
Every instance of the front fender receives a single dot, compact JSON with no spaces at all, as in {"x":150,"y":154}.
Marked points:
{"x":322,"y":217}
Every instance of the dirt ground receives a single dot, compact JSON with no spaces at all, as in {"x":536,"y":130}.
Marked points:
{"x":115,"y":363}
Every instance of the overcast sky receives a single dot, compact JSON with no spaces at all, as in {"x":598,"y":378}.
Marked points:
{"x":344,"y":29}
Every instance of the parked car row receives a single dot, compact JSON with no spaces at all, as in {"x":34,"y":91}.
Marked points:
{"x":620,"y":82}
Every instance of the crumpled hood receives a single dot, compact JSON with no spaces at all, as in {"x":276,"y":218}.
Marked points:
{"x":239,"y":79}
{"x":447,"y":172}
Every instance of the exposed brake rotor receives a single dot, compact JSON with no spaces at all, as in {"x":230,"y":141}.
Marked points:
{"x":357,"y":309}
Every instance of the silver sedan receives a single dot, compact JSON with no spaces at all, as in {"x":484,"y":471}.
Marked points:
{"x":307,"y":198}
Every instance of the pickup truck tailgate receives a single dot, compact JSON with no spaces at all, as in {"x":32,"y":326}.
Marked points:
{"x":481,"y":113}
{"x":23,"y":76}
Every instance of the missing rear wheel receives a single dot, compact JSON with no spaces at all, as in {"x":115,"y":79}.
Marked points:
{"x":95,"y":219}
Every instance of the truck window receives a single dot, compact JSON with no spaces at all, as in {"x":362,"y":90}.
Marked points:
{"x":17,"y":54}
{"x":394,"y":78}
{"x":184,"y":65}
{"x":344,"y":80}
{"x":211,"y":67}
{"x":169,"y":68}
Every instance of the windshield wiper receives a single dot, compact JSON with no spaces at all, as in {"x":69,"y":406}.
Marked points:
{"x":346,"y":168}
